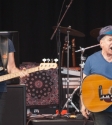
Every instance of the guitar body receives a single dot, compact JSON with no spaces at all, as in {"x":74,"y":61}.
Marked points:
{"x":90,"y":92}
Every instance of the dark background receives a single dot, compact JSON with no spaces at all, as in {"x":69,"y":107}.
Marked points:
{"x":34,"y":19}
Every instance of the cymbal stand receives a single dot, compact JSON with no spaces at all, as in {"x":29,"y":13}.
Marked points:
{"x":69,"y":98}
{"x":59,"y":46}
{"x":83,"y":59}
{"x":68,"y":47}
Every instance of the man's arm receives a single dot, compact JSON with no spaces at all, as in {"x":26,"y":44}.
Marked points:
{"x":83,"y":109}
{"x":11,"y":66}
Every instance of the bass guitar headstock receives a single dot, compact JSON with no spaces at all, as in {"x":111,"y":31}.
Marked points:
{"x":48,"y":64}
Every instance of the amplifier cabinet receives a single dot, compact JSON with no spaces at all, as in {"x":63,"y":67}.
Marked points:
{"x":15,"y":107}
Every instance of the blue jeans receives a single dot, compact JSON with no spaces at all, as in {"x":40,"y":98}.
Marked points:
{"x":102,"y":118}
{"x":2,"y":104}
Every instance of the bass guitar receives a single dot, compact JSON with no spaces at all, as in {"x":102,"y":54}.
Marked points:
{"x":42,"y":66}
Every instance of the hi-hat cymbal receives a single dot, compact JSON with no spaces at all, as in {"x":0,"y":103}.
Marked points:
{"x":95,"y":32}
{"x":72,"y":31}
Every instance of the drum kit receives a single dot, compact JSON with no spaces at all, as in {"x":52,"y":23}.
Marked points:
{"x":67,"y":30}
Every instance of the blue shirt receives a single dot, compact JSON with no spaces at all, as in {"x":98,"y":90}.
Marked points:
{"x":96,"y":64}
{"x":11,"y":48}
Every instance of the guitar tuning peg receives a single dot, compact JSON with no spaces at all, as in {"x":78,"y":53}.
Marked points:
{"x":56,"y":60}
{"x":44,"y":60}
{"x":48,"y":60}
{"x":51,"y":60}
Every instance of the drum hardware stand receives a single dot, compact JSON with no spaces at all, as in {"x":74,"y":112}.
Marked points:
{"x":69,"y":98}
{"x":68,"y":47}
{"x":59,"y":58}
{"x":83,"y":59}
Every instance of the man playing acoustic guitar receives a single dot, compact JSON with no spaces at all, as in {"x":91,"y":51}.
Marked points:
{"x":99,"y":63}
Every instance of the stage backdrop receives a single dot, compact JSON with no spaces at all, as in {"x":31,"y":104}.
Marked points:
{"x":34,"y":21}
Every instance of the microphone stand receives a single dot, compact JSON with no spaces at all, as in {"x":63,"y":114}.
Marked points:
{"x":61,"y":19}
{"x":59,"y":70}
{"x":59,"y":62}
{"x":68,"y":47}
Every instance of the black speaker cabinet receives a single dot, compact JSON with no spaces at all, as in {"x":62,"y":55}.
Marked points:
{"x":15,"y":108}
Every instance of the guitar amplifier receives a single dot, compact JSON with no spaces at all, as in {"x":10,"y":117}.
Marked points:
{"x":15,"y":106}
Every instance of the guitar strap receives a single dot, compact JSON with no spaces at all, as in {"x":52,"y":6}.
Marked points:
{"x":4,"y":52}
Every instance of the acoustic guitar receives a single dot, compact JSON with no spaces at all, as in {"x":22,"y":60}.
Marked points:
{"x":42,"y":66}
{"x":96,"y":92}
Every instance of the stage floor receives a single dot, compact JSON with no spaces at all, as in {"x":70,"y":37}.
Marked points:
{"x":61,"y":122}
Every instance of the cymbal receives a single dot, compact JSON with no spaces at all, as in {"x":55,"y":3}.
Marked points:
{"x":72,"y":31}
{"x":95,"y":32}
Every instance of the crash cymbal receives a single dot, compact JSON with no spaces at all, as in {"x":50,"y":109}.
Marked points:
{"x":72,"y":31}
{"x":95,"y":32}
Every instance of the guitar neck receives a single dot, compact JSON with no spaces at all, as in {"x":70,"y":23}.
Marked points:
{"x":42,"y":66}
{"x":15,"y":75}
